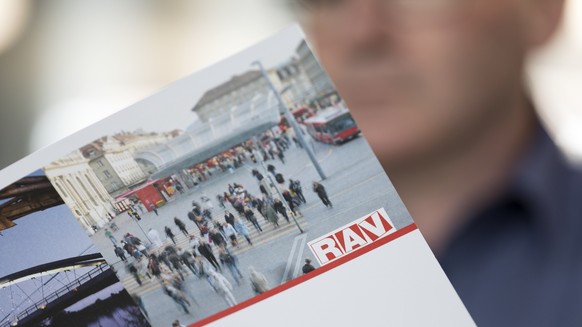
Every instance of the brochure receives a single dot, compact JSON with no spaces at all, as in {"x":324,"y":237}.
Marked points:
{"x":242,"y":195}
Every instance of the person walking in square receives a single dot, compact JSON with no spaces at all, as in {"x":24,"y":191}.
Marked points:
{"x":295,"y":186}
{"x":133,"y":214}
{"x":192,"y":216}
{"x":181,"y":225}
{"x":189,"y":260}
{"x":222,"y":286}
{"x":154,"y":265}
{"x":134,"y":272}
{"x":205,"y":250}
{"x":110,"y":236}
{"x":154,"y":209}
{"x":249,"y":214}
{"x":290,"y":201}
{"x":216,"y":237}
{"x":230,"y":261}
{"x":242,"y":229}
{"x":320,"y":190}
{"x":170,"y":234}
{"x":230,"y":233}
{"x":120,"y":253}
{"x":176,"y":294}
{"x":259,"y":282}
{"x":154,"y":236}
{"x":228,"y":217}
{"x":280,"y":208}
{"x":271,"y":215}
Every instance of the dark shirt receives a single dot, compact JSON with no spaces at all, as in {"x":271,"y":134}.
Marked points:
{"x":307,"y":268}
{"x":518,"y":262}
{"x":230,"y":218}
{"x":205,"y":250}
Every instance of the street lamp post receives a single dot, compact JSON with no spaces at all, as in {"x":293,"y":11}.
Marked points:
{"x":273,"y":185}
{"x":282,"y":199}
{"x":291,"y":120}
{"x":144,"y":233}
{"x":138,"y":225}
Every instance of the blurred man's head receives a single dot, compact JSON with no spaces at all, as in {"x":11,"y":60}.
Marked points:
{"x":423,"y":75}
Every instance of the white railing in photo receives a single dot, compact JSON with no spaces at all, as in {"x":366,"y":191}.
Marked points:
{"x":262,"y":110}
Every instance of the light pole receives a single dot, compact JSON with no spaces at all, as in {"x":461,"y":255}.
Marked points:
{"x":134,"y":219}
{"x":273,"y":185}
{"x":144,"y":233}
{"x":291,"y":120}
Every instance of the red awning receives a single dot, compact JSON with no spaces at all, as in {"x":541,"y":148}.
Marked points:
{"x":144,"y":185}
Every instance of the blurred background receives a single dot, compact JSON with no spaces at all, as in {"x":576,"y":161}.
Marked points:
{"x":67,"y":63}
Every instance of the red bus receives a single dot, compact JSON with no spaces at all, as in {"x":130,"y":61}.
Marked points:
{"x":332,"y":125}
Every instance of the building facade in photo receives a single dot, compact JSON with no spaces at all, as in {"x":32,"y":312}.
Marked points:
{"x":113,"y":164}
{"x":322,"y":85}
{"x":295,"y":87}
{"x":81,"y":190}
{"x":112,"y":158}
{"x":240,"y":89}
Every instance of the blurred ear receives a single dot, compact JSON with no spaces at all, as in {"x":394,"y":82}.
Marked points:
{"x":541,"y":20}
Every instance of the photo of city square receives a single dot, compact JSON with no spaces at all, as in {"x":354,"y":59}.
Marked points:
{"x":202,"y":215}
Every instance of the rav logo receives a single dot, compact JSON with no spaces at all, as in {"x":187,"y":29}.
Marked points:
{"x":352,"y":236}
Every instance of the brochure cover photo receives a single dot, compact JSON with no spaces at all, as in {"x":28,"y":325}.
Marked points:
{"x":247,"y":194}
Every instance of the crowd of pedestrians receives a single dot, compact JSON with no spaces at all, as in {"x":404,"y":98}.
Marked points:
{"x":217,"y":232}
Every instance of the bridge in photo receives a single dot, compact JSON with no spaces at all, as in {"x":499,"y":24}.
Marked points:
{"x":38,"y":292}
